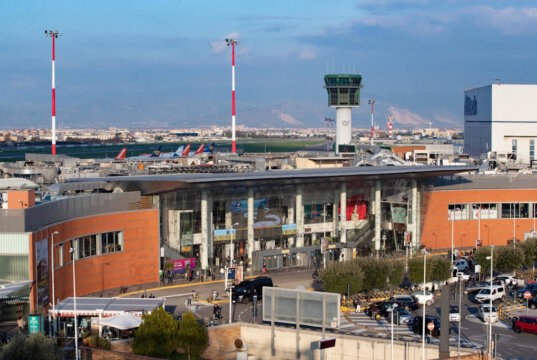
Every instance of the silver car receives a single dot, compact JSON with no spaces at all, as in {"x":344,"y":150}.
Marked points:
{"x":401,"y":316}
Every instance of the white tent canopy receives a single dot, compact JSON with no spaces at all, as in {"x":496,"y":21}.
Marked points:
{"x":122,"y":322}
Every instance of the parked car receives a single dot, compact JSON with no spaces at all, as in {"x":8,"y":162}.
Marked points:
{"x":532,"y":288}
{"x":407,"y":302}
{"x":474,"y":288}
{"x":532,"y":303}
{"x":525,"y":323}
{"x":248,"y":288}
{"x":507,"y":280}
{"x":401,"y":316}
{"x":454,"y":313}
{"x":497,"y":292}
{"x":427,"y":299}
{"x":486,"y":313}
{"x":385,"y":308}
{"x":460,"y":265}
{"x":417,"y":325}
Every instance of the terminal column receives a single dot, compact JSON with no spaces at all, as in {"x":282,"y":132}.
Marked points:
{"x":210,"y":228}
{"x":204,"y":247}
{"x":299,"y":209}
{"x":377,"y":218}
{"x":335,"y":215}
{"x":250,"y":224}
{"x":414,"y":213}
{"x":343,"y":214}
{"x":291,"y":218}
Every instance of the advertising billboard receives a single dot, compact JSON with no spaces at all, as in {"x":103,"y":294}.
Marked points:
{"x":180,"y":266}
{"x":224,"y":234}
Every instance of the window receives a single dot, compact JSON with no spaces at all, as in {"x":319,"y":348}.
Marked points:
{"x":60,"y":255}
{"x":532,"y":149}
{"x":514,"y":146}
{"x":111,"y":242}
{"x":87,"y":246}
{"x":458,"y":212}
{"x":484,"y":211}
{"x":511,"y":210}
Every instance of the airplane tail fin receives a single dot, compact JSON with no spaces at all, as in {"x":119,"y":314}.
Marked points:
{"x":179,"y":151}
{"x":200,"y":149}
{"x":211,"y":148}
{"x":156,"y":153}
{"x":121,"y":154}
{"x":186,"y":151}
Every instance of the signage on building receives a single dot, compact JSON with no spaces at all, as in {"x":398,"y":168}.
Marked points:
{"x":289,"y":229}
{"x":180,"y":266}
{"x":231,"y":273}
{"x":470,"y":105}
{"x":324,"y":244}
{"x":224,"y":234}
{"x":408,"y":237}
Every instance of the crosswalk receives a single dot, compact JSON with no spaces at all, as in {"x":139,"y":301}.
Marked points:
{"x":361,"y":324}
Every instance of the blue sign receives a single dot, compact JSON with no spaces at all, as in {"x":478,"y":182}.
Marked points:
{"x":289,"y":229}
{"x":224,"y":234}
{"x":231,"y":273}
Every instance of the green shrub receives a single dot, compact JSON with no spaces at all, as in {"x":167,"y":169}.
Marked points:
{"x":193,"y":337}
{"x":35,"y":346}
{"x":337,"y":275}
{"x":157,"y":336}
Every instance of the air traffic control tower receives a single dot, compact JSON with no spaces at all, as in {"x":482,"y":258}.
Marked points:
{"x":343,"y":94}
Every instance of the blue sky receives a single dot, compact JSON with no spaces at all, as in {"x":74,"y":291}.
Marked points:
{"x":164,"y":63}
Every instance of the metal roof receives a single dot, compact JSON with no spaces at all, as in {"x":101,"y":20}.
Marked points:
{"x":90,"y":306}
{"x":154,"y":184}
{"x":7,"y":289}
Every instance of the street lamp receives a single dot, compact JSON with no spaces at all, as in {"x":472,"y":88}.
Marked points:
{"x":232,"y":245}
{"x":491,"y":258}
{"x":73,"y":252}
{"x":394,"y":306}
{"x":53,"y":294}
{"x":424,"y":303}
{"x":461,"y":279}
{"x":372,"y":103}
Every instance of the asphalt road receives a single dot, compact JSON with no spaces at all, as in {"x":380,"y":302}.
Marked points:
{"x":510,"y":345}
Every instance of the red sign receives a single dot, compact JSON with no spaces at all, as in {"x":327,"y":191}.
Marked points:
{"x":527,"y":295}
{"x":327,"y":343}
{"x":430,"y":326}
{"x":180,"y":266}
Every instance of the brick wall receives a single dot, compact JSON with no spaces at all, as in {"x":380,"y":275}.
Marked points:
{"x":436,"y":230}
{"x":137,"y":263}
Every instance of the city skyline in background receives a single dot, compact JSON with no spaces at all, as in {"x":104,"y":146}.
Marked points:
{"x":136,"y":65}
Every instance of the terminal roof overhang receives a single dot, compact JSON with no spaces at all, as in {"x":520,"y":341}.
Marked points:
{"x":155,"y":184}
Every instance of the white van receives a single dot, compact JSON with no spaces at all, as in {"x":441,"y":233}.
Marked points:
{"x":497,"y":292}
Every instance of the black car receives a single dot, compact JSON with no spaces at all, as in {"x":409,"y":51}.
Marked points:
{"x":385,"y":308}
{"x":248,"y":288}
{"x":406,"y":302}
{"x":417,"y":325}
{"x":532,"y":303}
{"x":532,"y":288}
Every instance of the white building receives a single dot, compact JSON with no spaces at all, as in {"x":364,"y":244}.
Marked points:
{"x":501,"y":118}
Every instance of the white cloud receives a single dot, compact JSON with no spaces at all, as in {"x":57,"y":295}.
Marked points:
{"x":307,"y":54}
{"x":219,"y":46}
{"x":508,"y":20}
{"x":404,"y":116}
{"x":286,"y":118}
{"x":448,"y":119}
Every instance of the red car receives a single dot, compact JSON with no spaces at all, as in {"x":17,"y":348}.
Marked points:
{"x":526,"y":324}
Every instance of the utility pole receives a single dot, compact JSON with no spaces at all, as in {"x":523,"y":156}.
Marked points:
{"x":232,"y":43}
{"x":54,"y":35}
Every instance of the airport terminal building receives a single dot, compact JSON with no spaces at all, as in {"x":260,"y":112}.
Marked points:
{"x":127,"y":229}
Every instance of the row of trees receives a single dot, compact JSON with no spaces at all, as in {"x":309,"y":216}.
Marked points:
{"x":365,"y":274}
{"x":160,"y":335}
{"x":508,"y":258}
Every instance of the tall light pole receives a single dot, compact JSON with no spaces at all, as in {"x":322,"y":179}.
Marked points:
{"x":424,"y":303}
{"x":459,"y":275}
{"x":478,"y":225}
{"x":394,"y":306}
{"x":232,"y":43}
{"x":73,"y":252}
{"x":514,"y":225}
{"x":53,"y":294}
{"x":54,"y":35}
{"x":372,"y":103}
{"x":491,"y":257}
{"x":232,"y":245}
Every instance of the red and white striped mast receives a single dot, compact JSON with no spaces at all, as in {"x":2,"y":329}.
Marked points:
{"x":372,"y":103}
{"x":54,"y":35}
{"x":390,"y":126}
{"x":232,"y":42}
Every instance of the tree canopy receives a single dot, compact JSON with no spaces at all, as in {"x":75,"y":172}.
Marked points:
{"x":157,"y":336}
{"x":193,"y":338}
{"x":35,"y":346}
